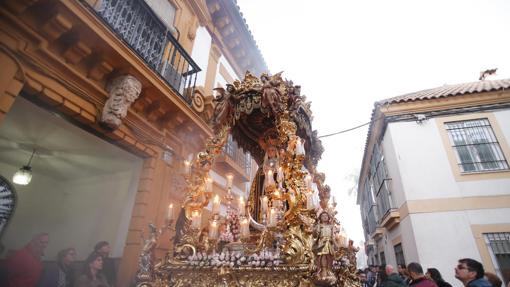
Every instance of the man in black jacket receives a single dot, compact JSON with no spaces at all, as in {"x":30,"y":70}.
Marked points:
{"x":393,"y":280}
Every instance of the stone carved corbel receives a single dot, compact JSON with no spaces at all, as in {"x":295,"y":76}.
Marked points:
{"x":123,"y":91}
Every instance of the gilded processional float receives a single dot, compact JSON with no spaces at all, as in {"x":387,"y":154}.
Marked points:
{"x":285,"y":233}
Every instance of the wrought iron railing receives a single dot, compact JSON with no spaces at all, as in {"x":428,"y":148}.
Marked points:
{"x":242,"y":159}
{"x":383,"y":200}
{"x":139,"y":27}
{"x":372,"y":222}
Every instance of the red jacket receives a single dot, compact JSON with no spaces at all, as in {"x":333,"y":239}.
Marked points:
{"x":423,"y":282}
{"x":23,"y":268}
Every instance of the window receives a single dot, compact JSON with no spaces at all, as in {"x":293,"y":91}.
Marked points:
{"x":475,"y":145}
{"x":499,"y":247}
{"x":383,"y":258}
{"x":399,"y":254}
{"x":379,"y":178}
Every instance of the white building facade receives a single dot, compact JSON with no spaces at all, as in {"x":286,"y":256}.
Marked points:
{"x":435,"y":179}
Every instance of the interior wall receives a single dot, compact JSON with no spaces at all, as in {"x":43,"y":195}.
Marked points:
{"x":82,"y":190}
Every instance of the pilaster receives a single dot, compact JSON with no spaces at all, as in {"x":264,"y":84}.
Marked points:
{"x":10,"y":85}
{"x":210,"y":76}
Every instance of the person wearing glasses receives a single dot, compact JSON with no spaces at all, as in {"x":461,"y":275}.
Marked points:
{"x":470,"y":272}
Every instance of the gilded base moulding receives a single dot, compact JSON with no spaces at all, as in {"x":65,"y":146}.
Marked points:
{"x":276,"y":276}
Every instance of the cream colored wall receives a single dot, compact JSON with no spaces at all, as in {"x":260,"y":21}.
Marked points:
{"x":419,"y":154}
{"x":200,"y":53}
{"x":437,"y":209}
{"x":391,"y":156}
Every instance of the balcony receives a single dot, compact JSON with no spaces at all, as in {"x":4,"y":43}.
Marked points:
{"x":390,"y":219}
{"x":234,"y":160}
{"x":377,"y":234}
{"x":138,"y":27}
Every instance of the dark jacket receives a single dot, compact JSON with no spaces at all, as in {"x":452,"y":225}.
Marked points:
{"x":393,"y":280}
{"x":443,"y":283}
{"x":56,"y":276}
{"x":480,"y":282}
{"x":109,"y":271}
{"x":423,"y":282}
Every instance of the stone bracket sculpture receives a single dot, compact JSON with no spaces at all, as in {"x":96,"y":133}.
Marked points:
{"x":122,"y":91}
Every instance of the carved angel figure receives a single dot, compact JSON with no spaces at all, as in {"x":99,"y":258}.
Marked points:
{"x":123,"y":91}
{"x":324,"y":248}
{"x":270,"y":92}
{"x":145,"y":263}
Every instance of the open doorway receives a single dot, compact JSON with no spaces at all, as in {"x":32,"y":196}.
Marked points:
{"x":82,"y":189}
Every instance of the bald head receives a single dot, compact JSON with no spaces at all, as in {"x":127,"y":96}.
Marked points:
{"x":389,"y":269}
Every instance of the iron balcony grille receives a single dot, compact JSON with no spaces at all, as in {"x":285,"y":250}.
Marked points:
{"x":242,"y":159}
{"x":139,"y":27}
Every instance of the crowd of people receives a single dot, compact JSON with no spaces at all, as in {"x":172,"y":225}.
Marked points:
{"x":468,"y":271}
{"x":24,"y":267}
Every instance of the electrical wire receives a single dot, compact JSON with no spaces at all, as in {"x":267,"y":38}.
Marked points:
{"x":351,"y":129}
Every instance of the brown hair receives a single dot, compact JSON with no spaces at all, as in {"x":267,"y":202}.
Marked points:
{"x":493,"y":279}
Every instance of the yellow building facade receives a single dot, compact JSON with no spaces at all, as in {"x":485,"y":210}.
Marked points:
{"x":112,"y":97}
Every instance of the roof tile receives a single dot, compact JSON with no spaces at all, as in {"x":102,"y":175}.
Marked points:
{"x":450,"y":90}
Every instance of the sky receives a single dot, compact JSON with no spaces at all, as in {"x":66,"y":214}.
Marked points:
{"x":348,"y":54}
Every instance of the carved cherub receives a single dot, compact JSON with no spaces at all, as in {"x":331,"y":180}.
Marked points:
{"x":270,"y":92}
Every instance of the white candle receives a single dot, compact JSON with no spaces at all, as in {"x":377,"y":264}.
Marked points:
{"x":280,"y":176}
{"x":245,"y":228}
{"x":170,"y":213}
{"x":187,"y":167}
{"x":196,"y":219}
{"x":265,"y":202}
{"x":272,"y":217}
{"x":309,"y":200}
{"x":241,"y":206}
{"x":216,"y":204}
{"x":230,"y":180}
{"x":269,"y":178}
{"x":213,"y":230}
{"x":308,"y":181}
{"x":300,"y":150}
{"x":208,"y":184}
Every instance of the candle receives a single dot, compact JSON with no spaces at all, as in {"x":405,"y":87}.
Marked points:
{"x":213,"y":229}
{"x":308,"y":181}
{"x":309,"y":200}
{"x":245,"y":228}
{"x":208,"y":184}
{"x":170,"y":213}
{"x":272,"y":217}
{"x":300,"y":150}
{"x":216,"y":204}
{"x":269,"y":178}
{"x":230,"y":180}
{"x":265,"y":201}
{"x":187,"y":167}
{"x":279,"y":176}
{"x":196,"y":219}
{"x":241,"y":206}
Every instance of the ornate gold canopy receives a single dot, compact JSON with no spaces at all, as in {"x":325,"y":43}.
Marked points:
{"x":286,"y":233}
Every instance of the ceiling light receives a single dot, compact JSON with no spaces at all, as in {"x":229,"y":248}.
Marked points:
{"x":24,"y":175}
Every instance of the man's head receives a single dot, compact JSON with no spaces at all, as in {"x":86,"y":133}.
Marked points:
{"x":102,"y":248}
{"x":39,"y":243}
{"x":401,"y":269}
{"x":468,"y":269}
{"x":389,"y":269}
{"x":415,"y":270}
